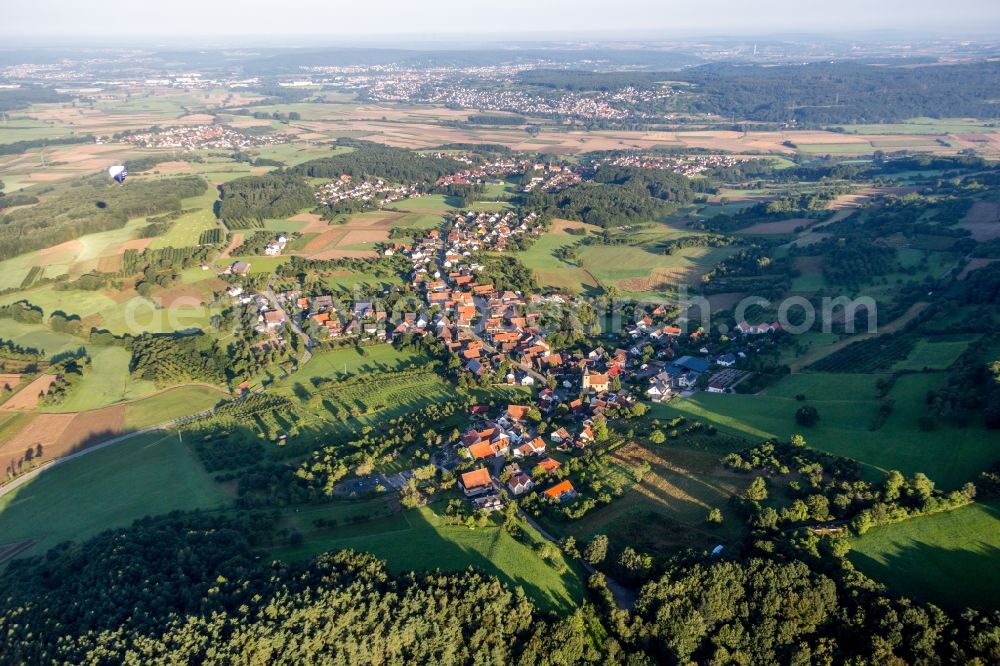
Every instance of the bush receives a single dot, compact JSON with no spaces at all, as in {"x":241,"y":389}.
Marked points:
{"x":806,"y":416}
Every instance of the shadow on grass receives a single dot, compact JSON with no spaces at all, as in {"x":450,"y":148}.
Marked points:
{"x":423,"y":545}
{"x":952,"y":578}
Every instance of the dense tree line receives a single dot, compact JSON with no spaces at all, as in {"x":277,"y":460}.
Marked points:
{"x":190,"y":588}
{"x":176,"y":359}
{"x":89,"y":207}
{"x":619,"y":195}
{"x":973,"y":385}
{"x":845,"y":92}
{"x":18,"y":147}
{"x":495,"y":119}
{"x":255,"y":198}
{"x":505,"y":272}
{"x":372,"y":160}
{"x":195,"y":593}
{"x":26,"y":95}
{"x":581,"y":80}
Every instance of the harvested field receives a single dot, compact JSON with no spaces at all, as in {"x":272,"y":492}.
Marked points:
{"x":62,"y":434}
{"x":196,"y":119}
{"x":111,"y":264}
{"x":27,"y":398}
{"x":9,"y":381}
{"x":44,"y":429}
{"x":328,"y":238}
{"x":138,"y":244}
{"x":658,"y":279}
{"x":983,"y":220}
{"x":62,"y":253}
{"x":344,"y":254}
{"x":90,"y":427}
{"x":359,"y":236}
{"x":186,"y":294}
{"x":973,"y":265}
{"x":780,"y":227}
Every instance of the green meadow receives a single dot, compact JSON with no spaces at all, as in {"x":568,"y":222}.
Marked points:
{"x":109,"y":488}
{"x":421,"y":540}
{"x":171,"y":404}
{"x":949,"y":558}
{"x":847,"y":407}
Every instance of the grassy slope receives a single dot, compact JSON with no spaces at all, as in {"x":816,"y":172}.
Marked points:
{"x":846,"y":405}
{"x":170,"y":404}
{"x":419,"y":539}
{"x":148,"y":475}
{"x":105,"y":382}
{"x":667,"y":509}
{"x":949,"y":558}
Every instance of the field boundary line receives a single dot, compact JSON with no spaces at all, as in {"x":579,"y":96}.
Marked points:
{"x":19,"y":481}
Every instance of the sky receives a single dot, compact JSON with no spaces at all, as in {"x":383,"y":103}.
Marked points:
{"x":69,"y":21}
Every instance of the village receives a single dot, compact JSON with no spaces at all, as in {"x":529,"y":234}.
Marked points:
{"x":347,"y":188}
{"x":684,"y":165}
{"x":202,"y":136}
{"x":498,"y":336}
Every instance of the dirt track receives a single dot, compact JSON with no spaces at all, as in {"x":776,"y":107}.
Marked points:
{"x":897,"y":324}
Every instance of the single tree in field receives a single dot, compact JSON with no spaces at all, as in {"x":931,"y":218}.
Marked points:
{"x":806,"y":416}
{"x":597,"y":549}
{"x":757,"y":492}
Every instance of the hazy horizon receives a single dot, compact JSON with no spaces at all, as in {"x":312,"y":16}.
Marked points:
{"x":314,"y":23}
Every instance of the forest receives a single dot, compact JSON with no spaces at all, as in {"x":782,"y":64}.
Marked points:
{"x":619,"y":195}
{"x":92,"y":206}
{"x":196,"y":591}
{"x":811,"y":94}
{"x":376,"y":161}
{"x":255,"y":198}
{"x":24,"y":96}
{"x":845,"y":92}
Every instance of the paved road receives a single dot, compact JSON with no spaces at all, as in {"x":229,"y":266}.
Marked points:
{"x":28,"y":476}
{"x":307,"y":341}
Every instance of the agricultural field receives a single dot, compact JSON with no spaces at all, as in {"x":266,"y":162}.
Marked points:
{"x":106,"y":381}
{"x":171,"y":404}
{"x":431,"y":544}
{"x":146,"y":475}
{"x":934,"y":353}
{"x":847,"y":407}
{"x":347,"y":362}
{"x":119,"y":312}
{"x":948,"y":558}
{"x":667,"y":509}
{"x":644,"y":271}
{"x":186,"y":230}
{"x":924,"y":126}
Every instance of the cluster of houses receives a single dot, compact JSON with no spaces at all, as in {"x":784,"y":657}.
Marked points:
{"x":345,"y":188}
{"x":685,"y":165}
{"x":193,"y":137}
{"x":509,"y":437}
{"x":482,"y":173}
{"x":554,"y":178}
{"x":474,"y":232}
{"x":612,"y":105}
{"x":276,"y":246}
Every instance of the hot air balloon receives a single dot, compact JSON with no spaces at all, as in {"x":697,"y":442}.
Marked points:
{"x":118,"y":172}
